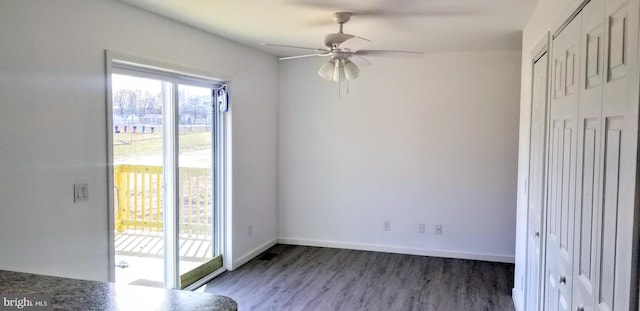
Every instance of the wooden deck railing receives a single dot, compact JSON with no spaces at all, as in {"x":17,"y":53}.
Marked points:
{"x":139,"y":199}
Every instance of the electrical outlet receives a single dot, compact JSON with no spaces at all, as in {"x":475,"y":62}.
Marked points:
{"x":80,"y":192}
{"x":421,"y":228}
{"x":387,"y":225}
{"x":438,"y":229}
{"x":250,"y":230}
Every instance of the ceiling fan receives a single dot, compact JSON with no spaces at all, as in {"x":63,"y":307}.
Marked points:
{"x":345,"y":51}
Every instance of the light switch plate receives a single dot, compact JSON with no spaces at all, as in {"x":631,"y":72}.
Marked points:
{"x":80,"y":192}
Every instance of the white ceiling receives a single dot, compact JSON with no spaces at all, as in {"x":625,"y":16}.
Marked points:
{"x":414,"y":25}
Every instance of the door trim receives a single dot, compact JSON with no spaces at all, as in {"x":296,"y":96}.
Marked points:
{"x":542,"y":49}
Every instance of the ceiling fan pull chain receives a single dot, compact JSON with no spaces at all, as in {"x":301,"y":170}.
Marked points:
{"x":340,"y":90}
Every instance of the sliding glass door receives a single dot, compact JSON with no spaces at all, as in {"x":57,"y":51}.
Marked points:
{"x":166,"y":177}
{"x":195,"y":157}
{"x":137,"y":145}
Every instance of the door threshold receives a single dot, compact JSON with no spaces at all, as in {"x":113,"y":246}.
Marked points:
{"x":198,"y":284}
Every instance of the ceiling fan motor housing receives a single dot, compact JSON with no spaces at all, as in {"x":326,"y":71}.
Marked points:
{"x":339,"y":55}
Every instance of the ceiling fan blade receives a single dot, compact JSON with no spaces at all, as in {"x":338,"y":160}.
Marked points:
{"x":302,"y":56}
{"x":354,"y":44}
{"x":293,"y":47}
{"x":389,"y":53}
{"x":359,"y":60}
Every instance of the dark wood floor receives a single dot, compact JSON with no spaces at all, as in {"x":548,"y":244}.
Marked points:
{"x":311,"y":278}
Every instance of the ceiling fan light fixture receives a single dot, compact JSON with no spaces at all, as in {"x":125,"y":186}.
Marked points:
{"x":351,"y":71}
{"x":337,"y":72}
{"x":326,"y":70}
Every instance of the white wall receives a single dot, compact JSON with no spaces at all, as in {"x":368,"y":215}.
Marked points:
{"x":53,"y":127}
{"x":546,"y":17}
{"x":430,"y":141}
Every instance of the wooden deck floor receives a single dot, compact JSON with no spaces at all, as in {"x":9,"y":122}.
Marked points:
{"x":151,"y":245}
{"x":139,"y":256}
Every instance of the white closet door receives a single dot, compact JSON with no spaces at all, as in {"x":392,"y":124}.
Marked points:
{"x":591,"y":200}
{"x":536,"y":180}
{"x":588,"y":184}
{"x":619,"y":153}
{"x":562,"y":165}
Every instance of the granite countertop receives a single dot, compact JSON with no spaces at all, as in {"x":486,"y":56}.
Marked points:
{"x":71,"y":294}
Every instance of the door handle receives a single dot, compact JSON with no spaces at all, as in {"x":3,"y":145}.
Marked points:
{"x":537,"y":234}
{"x":579,"y":309}
{"x":563,"y":280}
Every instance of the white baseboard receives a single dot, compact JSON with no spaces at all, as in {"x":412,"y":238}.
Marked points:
{"x":516,"y":300}
{"x":252,"y":254}
{"x":398,"y":250}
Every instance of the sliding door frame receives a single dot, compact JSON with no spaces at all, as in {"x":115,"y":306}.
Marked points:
{"x":116,"y":62}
